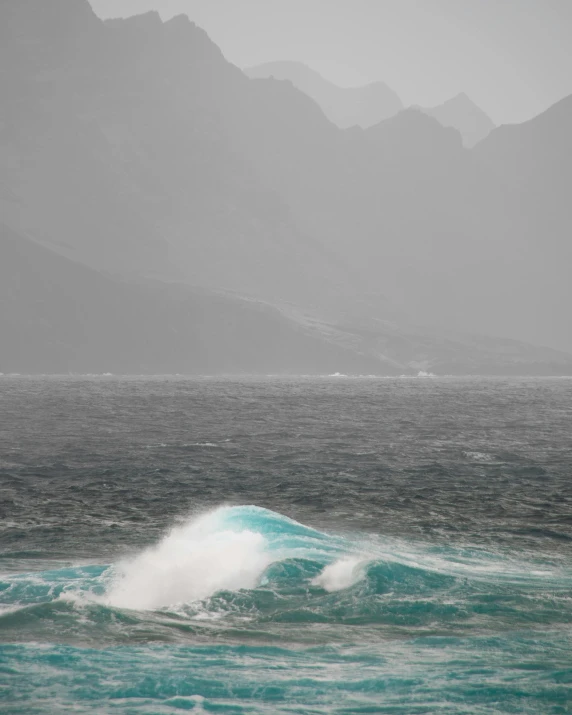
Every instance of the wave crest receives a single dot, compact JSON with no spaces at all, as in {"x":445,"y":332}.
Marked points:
{"x":191,"y":563}
{"x":254,"y":564}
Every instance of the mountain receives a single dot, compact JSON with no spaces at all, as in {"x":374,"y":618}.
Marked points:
{"x":139,"y":151}
{"x":59,"y":178}
{"x":464,"y":115}
{"x":134,"y":133}
{"x":58,"y":316}
{"x":532,"y":163}
{"x":533,"y":155}
{"x":368,"y":105}
{"x":345,"y":107}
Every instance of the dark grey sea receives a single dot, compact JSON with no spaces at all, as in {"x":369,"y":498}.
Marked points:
{"x":308,"y":545}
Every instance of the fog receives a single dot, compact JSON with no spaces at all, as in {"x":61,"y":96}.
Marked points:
{"x":183,"y":215}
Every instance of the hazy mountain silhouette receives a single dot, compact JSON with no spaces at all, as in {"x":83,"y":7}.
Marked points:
{"x":138,"y":138}
{"x":368,"y":105}
{"x":141,"y":151}
{"x":533,"y":155}
{"x":345,"y":107}
{"x":463,"y":114}
{"x":59,"y":316}
{"x":532,"y":160}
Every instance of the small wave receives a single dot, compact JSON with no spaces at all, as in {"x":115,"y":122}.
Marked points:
{"x":187,"y":445}
{"x":341,"y":574}
{"x":480,"y":457}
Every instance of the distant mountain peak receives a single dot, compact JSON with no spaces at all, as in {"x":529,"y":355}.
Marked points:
{"x":462,"y":99}
{"x":181,"y":20}
{"x":377,"y":83}
{"x":181,"y":35}
{"x":147,"y":21}
{"x":545,"y":135}
{"x":362,"y":106}
{"x":461,"y":113}
{"x":418,"y":133}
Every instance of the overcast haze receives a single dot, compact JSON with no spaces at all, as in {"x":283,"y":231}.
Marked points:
{"x":511,"y":56}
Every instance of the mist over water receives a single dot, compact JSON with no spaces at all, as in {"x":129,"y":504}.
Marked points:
{"x":286,"y":545}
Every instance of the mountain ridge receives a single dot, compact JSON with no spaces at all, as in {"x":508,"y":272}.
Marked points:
{"x":346,"y":107}
{"x":62,"y":317}
{"x":464,"y":115}
{"x":356,"y":106}
{"x":155,"y":157}
{"x":59,"y":316}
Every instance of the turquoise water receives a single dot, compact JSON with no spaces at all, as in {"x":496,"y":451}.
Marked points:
{"x":125,"y":587}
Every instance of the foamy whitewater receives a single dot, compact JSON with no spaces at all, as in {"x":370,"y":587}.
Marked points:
{"x":280,"y":546}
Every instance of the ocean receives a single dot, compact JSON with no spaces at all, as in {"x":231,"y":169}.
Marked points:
{"x":285,"y":545}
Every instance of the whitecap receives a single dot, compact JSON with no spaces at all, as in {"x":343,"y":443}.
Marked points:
{"x":191,"y":563}
{"x":341,"y":574}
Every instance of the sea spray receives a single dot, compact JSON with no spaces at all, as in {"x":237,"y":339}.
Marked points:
{"x":192,"y":562}
{"x":227,"y":549}
{"x":341,"y":574}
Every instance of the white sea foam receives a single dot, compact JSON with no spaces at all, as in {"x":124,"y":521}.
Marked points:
{"x":341,"y":574}
{"x":13,"y":608}
{"x":191,"y":563}
{"x":480,"y":457}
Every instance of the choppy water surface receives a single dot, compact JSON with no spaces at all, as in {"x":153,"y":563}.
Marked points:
{"x":296,"y":546}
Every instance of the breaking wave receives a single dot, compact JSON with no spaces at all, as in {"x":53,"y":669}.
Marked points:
{"x":260,"y":566}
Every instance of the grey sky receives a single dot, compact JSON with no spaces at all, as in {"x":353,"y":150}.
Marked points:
{"x":512,"y":57}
